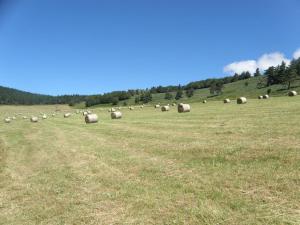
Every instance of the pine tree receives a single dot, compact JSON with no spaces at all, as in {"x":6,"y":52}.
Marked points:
{"x":189,"y":92}
{"x":282,"y":73}
{"x":257,"y":73}
{"x":179,"y":94}
{"x":271,"y":75}
{"x":290,"y":77}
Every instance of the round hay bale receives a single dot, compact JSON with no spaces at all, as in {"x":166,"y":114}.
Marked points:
{"x":53,"y":114}
{"x":260,"y":97}
{"x":66,"y":115}
{"x":7,"y":120}
{"x":34,"y":119}
{"x":116,"y":115}
{"x":292,"y":93}
{"x":91,"y":118}
{"x":141,"y":106}
{"x":241,"y":100}
{"x":131,"y":108}
{"x":89,"y":112}
{"x":165,"y":108}
{"x":44,"y":117}
{"x":14,"y":118}
{"x":184,"y":108}
{"x":84,"y":113}
{"x":266,"y":96}
{"x":156,"y":106}
{"x":204,"y":101}
{"x":174,"y":104}
{"x":112,"y":109}
{"x":24,"y":117}
{"x":227,"y":100}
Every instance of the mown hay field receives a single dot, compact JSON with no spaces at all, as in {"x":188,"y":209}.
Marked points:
{"x":219,"y":164}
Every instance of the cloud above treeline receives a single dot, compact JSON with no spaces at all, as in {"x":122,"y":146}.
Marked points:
{"x":263,"y":63}
{"x":297,"y":54}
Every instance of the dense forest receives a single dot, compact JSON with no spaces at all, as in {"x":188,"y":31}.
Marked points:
{"x":282,"y":74}
{"x":10,"y":96}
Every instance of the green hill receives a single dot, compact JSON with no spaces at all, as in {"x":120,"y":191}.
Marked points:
{"x":231,"y":90}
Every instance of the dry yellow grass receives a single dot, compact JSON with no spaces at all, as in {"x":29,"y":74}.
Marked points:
{"x":219,"y":164}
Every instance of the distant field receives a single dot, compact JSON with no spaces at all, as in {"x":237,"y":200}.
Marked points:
{"x":218,"y":164}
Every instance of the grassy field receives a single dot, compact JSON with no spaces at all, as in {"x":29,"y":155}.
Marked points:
{"x":218,"y":164}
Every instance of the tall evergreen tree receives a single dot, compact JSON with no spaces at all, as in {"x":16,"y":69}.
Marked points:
{"x":257,"y":73}
{"x":189,"y":92}
{"x":179,"y":94}
{"x":271,"y":75}
{"x":290,"y":77}
{"x":281,"y":73}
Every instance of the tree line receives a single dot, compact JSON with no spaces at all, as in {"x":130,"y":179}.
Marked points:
{"x":281,"y":74}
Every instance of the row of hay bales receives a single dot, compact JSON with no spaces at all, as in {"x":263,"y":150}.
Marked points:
{"x":181,"y":107}
{"x":263,"y":97}
{"x":290,"y":93}
{"x":34,"y":119}
{"x":93,"y":118}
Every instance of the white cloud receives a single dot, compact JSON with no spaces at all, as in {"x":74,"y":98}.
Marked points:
{"x":272,"y":59}
{"x":296,"y":54}
{"x":242,"y":66}
{"x":263,"y":63}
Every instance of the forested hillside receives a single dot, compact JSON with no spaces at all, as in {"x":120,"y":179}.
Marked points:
{"x":10,"y":96}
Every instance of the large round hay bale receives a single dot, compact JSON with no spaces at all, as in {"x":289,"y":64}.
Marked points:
{"x":226,"y":100}
{"x":266,"y":96}
{"x":66,"y":115}
{"x":174,"y":104}
{"x":292,"y":93}
{"x":116,"y":115}
{"x":44,"y":117}
{"x":184,"y":108}
{"x":91,"y":118}
{"x":53,"y":114}
{"x":24,"y":117}
{"x":34,"y":119}
{"x":165,"y":108}
{"x":141,"y":106}
{"x":131,"y":108}
{"x":14,"y":118}
{"x":112,"y":110}
{"x":241,"y":100}
{"x":84,"y":113}
{"x":7,"y":120}
{"x":260,"y":97}
{"x":204,"y":101}
{"x":156,"y":106}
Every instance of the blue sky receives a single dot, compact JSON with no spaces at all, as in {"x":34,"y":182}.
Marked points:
{"x":79,"y":46}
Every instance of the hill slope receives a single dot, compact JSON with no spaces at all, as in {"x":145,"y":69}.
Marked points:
{"x":231,"y":90}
